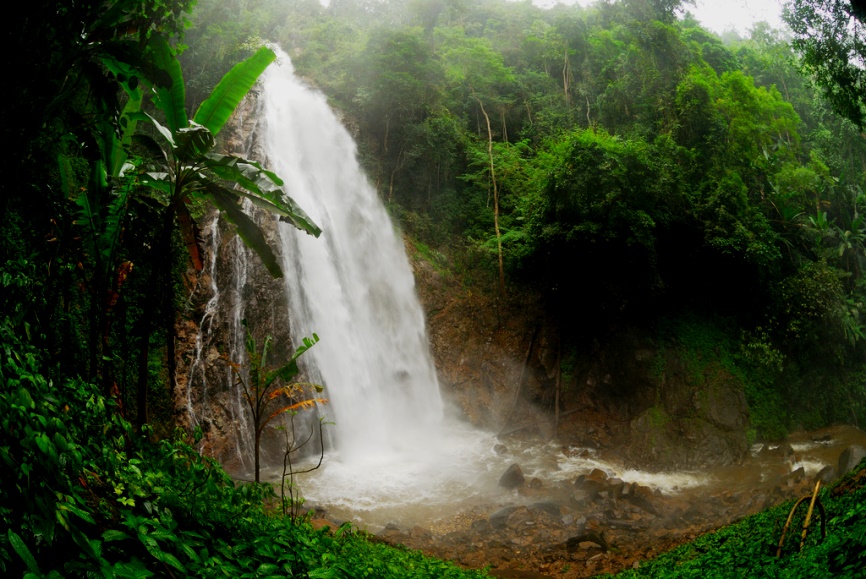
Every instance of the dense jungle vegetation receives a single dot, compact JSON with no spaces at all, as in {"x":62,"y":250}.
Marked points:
{"x":620,"y":159}
{"x":634,"y":168}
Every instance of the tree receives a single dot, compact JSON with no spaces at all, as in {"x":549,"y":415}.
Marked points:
{"x":829,"y":34}
{"x":265,"y":386}
{"x":473,"y":64}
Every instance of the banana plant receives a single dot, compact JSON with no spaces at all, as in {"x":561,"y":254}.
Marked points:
{"x":182,"y":166}
{"x":187,"y":167}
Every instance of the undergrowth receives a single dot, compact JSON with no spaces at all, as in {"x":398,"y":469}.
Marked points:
{"x":82,"y":494}
{"x":748,"y":548}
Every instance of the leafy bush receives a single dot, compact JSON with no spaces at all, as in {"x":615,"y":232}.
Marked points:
{"x":81,"y":494}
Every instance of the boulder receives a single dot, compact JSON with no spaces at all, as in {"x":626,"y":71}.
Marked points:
{"x":512,"y":477}
{"x":642,"y":497}
{"x":826,"y":475}
{"x":548,"y":507}
{"x":594,"y":482}
{"x":850,"y":458}
{"x":499,"y":519}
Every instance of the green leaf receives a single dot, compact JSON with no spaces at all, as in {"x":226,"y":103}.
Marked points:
{"x":165,"y":132}
{"x":284,"y":373}
{"x":84,"y":515}
{"x":248,"y":231}
{"x":114,"y":535}
{"x":170,"y":100}
{"x":262,"y":189}
{"x":158,"y":181}
{"x":234,"y":86}
{"x":23,"y":551}
{"x":168,"y":559}
{"x":193,"y":142}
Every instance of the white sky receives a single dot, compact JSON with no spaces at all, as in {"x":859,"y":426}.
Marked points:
{"x":722,"y":15}
{"x":717,"y":16}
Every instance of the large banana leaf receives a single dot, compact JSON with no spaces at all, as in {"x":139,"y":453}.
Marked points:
{"x":193,"y":143}
{"x":128,"y":123}
{"x":234,"y":86}
{"x":170,"y":100}
{"x":249,"y":232}
{"x":290,"y":369}
{"x":262,"y":189}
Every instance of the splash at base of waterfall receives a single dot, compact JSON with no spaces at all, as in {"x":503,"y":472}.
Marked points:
{"x":458,"y":470}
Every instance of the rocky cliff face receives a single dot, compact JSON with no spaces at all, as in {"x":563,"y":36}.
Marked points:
{"x":210,"y":333}
{"x":622,"y":395}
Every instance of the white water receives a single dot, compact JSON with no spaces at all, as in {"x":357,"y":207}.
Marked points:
{"x":352,"y":286}
{"x":394,"y":448}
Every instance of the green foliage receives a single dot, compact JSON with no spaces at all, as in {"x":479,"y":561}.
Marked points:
{"x":748,"y":548}
{"x":83,"y":494}
{"x":829,"y":36}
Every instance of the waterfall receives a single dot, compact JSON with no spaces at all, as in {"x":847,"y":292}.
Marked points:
{"x":353,"y":286}
{"x":395,"y":454}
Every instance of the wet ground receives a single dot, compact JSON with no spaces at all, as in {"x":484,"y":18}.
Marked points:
{"x":575,"y":512}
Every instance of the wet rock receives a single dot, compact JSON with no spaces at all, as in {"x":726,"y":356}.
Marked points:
{"x":616,"y":486}
{"x":598,"y":474}
{"x":320,"y":523}
{"x":499,"y":519}
{"x":580,"y":498}
{"x":420,"y":534}
{"x":850,"y":458}
{"x":794,"y":477}
{"x":642,"y":497}
{"x":826,"y":474}
{"x":548,"y":507}
{"x":500,"y":449}
{"x":586,"y":540}
{"x":519,"y":519}
{"x":512,"y":478}
{"x":594,"y":482}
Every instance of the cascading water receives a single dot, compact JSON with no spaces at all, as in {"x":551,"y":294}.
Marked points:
{"x":395,"y":451}
{"x":352,"y":286}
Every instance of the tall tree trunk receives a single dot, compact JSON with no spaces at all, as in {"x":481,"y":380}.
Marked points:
{"x":161,"y":289}
{"x":143,"y":358}
{"x":397,"y":167}
{"x":495,"y":196}
{"x":566,"y":76}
